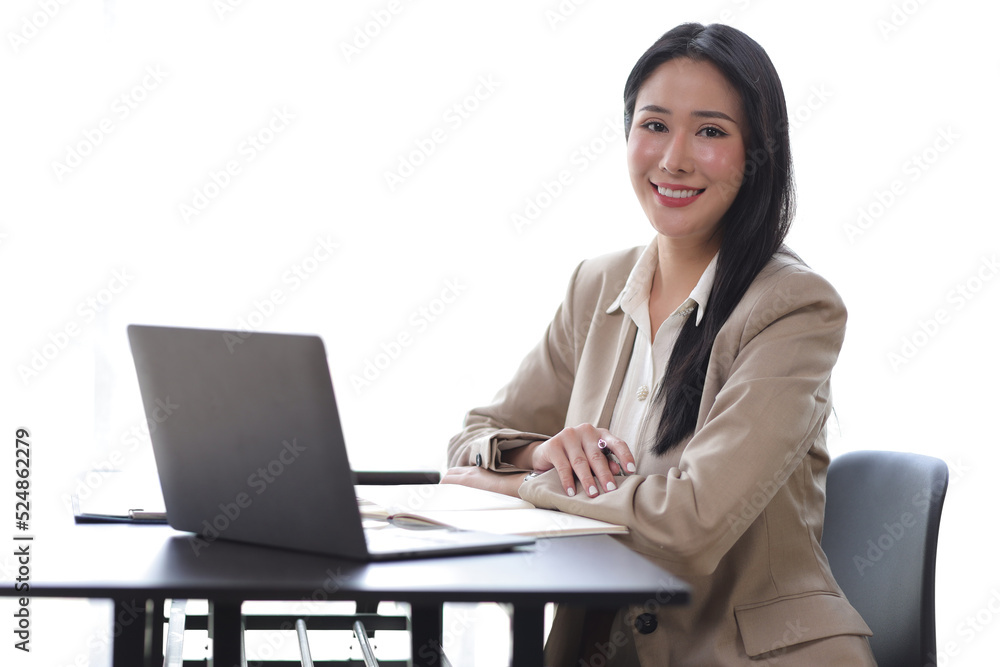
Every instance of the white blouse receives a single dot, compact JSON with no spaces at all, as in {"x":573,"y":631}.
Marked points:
{"x":632,"y":420}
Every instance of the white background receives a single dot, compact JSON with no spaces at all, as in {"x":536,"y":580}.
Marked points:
{"x":870,"y":85}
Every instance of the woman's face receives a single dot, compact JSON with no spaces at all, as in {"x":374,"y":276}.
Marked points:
{"x":685,"y":150}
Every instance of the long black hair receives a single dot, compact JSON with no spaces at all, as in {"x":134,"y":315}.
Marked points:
{"x":754,"y":227}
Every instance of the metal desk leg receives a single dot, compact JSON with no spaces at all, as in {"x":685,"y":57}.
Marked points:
{"x":425,"y":635}
{"x":129,"y":632}
{"x":154,"y":632}
{"x":528,"y":626}
{"x":225,"y":628}
{"x":174,"y":654}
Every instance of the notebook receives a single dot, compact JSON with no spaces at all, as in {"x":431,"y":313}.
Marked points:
{"x":248,"y":447}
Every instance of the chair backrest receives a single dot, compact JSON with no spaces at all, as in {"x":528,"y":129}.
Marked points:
{"x":883,"y":510}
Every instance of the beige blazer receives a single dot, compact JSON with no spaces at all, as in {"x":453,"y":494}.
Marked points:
{"x":737,"y":509}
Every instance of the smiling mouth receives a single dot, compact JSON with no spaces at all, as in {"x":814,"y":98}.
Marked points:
{"x":678,"y":194}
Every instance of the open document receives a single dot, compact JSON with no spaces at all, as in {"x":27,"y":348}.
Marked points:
{"x":467,"y":508}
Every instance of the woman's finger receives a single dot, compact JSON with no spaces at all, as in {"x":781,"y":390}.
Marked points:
{"x":620,"y":449}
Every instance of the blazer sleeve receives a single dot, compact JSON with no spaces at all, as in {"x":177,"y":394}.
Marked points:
{"x":764,"y":405}
{"x":533,"y":405}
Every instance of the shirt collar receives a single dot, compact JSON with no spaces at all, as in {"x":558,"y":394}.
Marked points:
{"x":640,"y":282}
{"x":703,"y":289}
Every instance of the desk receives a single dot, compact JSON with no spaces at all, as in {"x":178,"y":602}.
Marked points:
{"x":133,"y":564}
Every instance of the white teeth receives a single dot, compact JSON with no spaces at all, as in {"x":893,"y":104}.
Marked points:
{"x":676,"y":194}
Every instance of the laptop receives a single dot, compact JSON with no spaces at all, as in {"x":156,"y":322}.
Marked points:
{"x":249,"y":447}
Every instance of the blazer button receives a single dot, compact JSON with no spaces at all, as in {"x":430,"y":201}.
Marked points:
{"x":645,"y":623}
{"x":479,"y":460}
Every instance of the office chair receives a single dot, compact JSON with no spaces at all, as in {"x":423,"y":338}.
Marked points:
{"x":883,"y":510}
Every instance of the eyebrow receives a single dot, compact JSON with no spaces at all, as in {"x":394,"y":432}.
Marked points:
{"x":698,"y":114}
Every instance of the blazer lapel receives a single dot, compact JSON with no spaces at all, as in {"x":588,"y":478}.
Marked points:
{"x":626,"y":343}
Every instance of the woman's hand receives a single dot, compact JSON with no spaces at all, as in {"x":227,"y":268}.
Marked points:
{"x":577,"y":452}
{"x":481,"y":478}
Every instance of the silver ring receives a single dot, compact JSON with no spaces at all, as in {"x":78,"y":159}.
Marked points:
{"x":601,"y":444}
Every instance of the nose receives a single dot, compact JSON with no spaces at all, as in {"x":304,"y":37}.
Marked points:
{"x":677,"y":157}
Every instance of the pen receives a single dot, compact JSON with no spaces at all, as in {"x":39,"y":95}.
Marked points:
{"x":603,"y":446}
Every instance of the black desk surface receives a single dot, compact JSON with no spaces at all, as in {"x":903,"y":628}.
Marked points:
{"x":112,"y":561}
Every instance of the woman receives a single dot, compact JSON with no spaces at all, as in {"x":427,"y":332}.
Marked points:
{"x":702,"y":363}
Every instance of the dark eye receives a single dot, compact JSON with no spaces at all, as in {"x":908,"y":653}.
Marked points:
{"x":655,"y":126}
{"x":713,"y":132}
